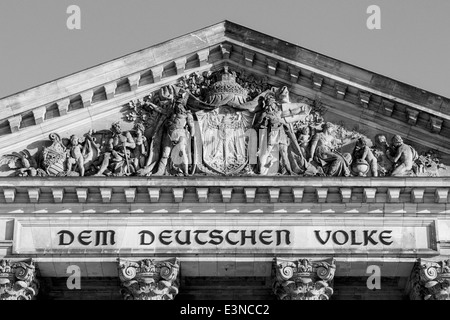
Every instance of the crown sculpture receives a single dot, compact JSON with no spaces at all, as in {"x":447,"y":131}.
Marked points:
{"x":225,"y":123}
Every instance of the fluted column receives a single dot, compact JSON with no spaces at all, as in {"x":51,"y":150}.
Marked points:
{"x":149,"y":279}
{"x":430,"y":280}
{"x":18,"y":280}
{"x":303,"y":279}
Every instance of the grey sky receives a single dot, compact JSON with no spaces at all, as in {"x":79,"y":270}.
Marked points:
{"x":37,"y":47}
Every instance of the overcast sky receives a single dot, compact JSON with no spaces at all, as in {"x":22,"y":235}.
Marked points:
{"x":412,"y":46}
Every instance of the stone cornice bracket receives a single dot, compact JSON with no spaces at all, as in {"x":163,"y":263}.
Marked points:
{"x":157,"y":73}
{"x":417,"y":195}
{"x":249,"y":58}
{"x":33,"y":194}
{"x":14,"y":123}
{"x":86,"y":98}
{"x":317,"y":81}
{"x":10,"y":195}
{"x":321,"y":194}
{"x":106,"y":194}
{"x":441,"y":195}
{"x":130,"y":194}
{"x":133,"y":80}
{"x":18,"y":280}
{"x":148,"y":279}
{"x":226,"y":194}
{"x":39,"y":114}
{"x":250,"y":194}
{"x":293,"y":74}
{"x":369,"y":194}
{"x":297,"y":193}
{"x":364,"y":98}
{"x":58,"y":194}
{"x":203,"y":56}
{"x":110,"y":89}
{"x":180,"y":65}
{"x":178,"y":194}
{"x":63,"y":106}
{"x":435,"y":124}
{"x":346,"y":194}
{"x":202,"y":194}
{"x":226,"y":48}
{"x":82,"y":194}
{"x":430,"y":280}
{"x":387,"y":107}
{"x":274,"y":194}
{"x":303,"y":279}
{"x":393,"y":194}
{"x":154,"y":194}
{"x":341,"y":89}
{"x":412,"y":115}
{"x":272,"y":65}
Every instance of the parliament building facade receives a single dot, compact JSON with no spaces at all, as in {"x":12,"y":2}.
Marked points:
{"x":225,"y":164}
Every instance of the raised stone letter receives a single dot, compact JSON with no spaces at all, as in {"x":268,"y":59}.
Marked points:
{"x":61,"y":237}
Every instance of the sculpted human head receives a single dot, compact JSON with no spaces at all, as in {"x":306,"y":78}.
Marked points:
{"x":74,"y":140}
{"x":397,"y":140}
{"x":116,"y":128}
{"x":327,"y":127}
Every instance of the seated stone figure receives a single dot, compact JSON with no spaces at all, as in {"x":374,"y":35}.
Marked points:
{"x":403,"y":156}
{"x":362,"y":156}
{"x":380,"y":149}
{"x":116,"y":159}
{"x":322,"y":151}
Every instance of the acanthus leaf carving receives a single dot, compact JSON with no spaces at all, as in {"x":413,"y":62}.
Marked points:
{"x":303,"y":279}
{"x":18,"y":280}
{"x":148,"y":279}
{"x":430,"y":280}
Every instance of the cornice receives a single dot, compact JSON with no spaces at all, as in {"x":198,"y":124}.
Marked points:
{"x":291,"y":194}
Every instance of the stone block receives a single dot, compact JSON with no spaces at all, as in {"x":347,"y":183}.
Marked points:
{"x":154,"y":194}
{"x":202,"y":194}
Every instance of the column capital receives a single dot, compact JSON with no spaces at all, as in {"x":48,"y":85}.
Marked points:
{"x":148,"y":279}
{"x":430,"y":280}
{"x":303,"y":279}
{"x":18,"y":280}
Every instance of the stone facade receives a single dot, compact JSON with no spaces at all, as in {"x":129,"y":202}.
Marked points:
{"x":227,"y":162}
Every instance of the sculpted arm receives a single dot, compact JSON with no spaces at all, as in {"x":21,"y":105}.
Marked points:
{"x":313,"y":147}
{"x":190,"y":122}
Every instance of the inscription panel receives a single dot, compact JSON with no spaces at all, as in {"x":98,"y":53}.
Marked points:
{"x":261,"y":236}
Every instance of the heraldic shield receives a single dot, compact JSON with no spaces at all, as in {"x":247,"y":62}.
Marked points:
{"x":227,"y":139}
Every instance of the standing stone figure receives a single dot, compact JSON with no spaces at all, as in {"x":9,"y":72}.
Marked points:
{"x":271,"y":119}
{"x":141,"y":150}
{"x":177,"y":119}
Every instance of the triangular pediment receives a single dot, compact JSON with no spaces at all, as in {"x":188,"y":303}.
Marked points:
{"x":359,"y":103}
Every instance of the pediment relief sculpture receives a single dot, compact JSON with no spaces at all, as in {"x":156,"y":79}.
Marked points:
{"x":226,"y":123}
